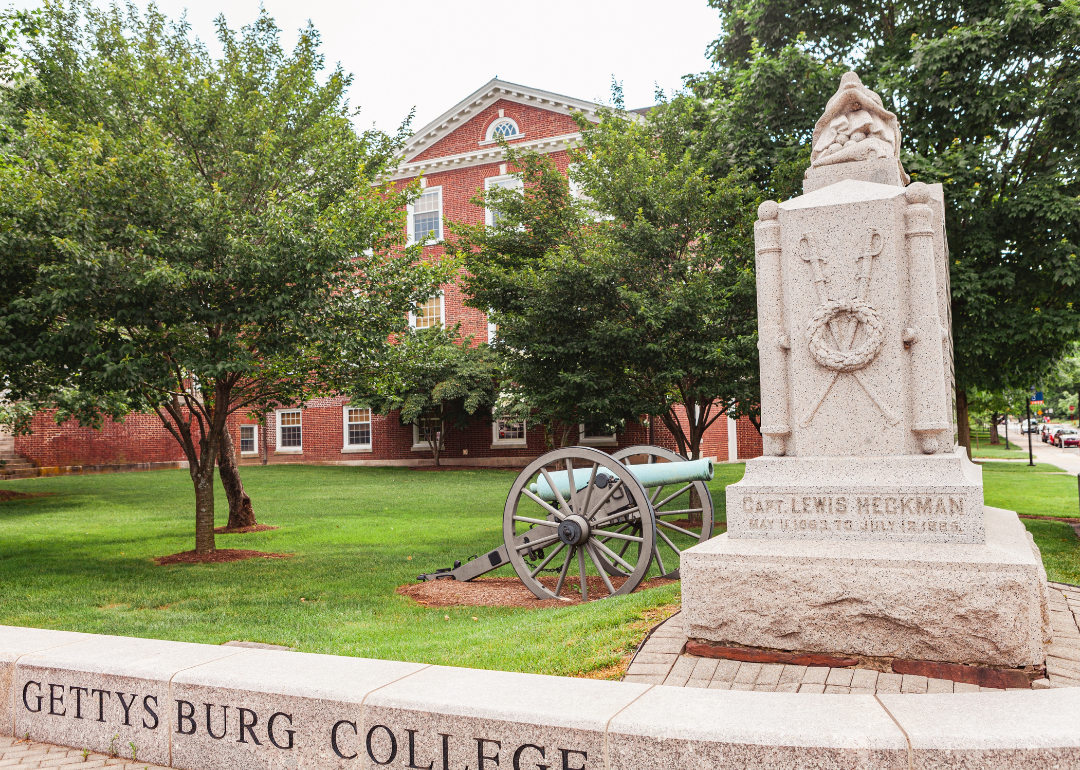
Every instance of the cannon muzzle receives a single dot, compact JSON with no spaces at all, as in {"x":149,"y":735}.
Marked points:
{"x":649,"y":474}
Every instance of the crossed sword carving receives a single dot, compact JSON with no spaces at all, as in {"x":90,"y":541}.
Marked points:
{"x":866,"y":260}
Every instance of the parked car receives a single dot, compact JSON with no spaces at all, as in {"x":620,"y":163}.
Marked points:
{"x":1060,"y":435}
{"x":1049,"y":429}
{"x":1029,"y":426}
{"x":1070,"y":439}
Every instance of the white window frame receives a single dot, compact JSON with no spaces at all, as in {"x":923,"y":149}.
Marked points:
{"x":489,"y":135}
{"x":507,"y":442}
{"x":292,"y":450}
{"x":346,"y":447}
{"x":420,"y":445}
{"x":517,"y":184}
{"x":255,"y":429}
{"x":410,"y":210}
{"x":492,"y":329}
{"x":441,"y":296}
{"x":604,"y":440}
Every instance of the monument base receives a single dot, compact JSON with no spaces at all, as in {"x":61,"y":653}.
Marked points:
{"x":959,"y":603}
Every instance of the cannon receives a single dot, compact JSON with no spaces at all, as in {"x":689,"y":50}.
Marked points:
{"x":579,"y":512}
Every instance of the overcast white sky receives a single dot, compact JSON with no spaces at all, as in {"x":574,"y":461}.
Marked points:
{"x":432,"y":53}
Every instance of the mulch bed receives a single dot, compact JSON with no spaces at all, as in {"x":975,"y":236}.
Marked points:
{"x":220,"y":556}
{"x":9,"y":494}
{"x":507,"y":592}
{"x":243,"y":530}
{"x":1037,"y":517}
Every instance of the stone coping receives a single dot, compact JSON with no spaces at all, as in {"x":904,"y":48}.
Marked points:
{"x":205,"y":706}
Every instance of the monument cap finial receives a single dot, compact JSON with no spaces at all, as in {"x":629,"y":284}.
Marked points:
{"x":855,"y":127}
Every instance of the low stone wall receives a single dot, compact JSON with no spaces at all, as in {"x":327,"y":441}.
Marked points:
{"x":201,"y":706}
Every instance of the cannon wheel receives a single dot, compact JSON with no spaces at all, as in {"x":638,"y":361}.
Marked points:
{"x":668,"y":507}
{"x":571,"y":553}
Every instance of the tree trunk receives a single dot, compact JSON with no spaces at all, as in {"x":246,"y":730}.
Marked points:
{"x":994,"y":437}
{"x":264,"y":447}
{"x":203,"y":476}
{"x":963,"y":428}
{"x":240,"y":511}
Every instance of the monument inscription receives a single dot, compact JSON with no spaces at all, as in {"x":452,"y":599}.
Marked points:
{"x":277,"y":730}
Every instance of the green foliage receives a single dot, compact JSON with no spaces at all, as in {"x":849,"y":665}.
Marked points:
{"x":638,"y":299}
{"x":988,"y":98}
{"x":195,"y":236}
{"x":432,"y":374}
{"x":81,"y":558}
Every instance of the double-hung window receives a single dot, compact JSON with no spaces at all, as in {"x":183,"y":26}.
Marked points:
{"x":249,"y":440}
{"x":505,"y":182}
{"x":427,"y":429}
{"x":428,"y":314}
{"x":506,"y":432}
{"x":425,"y":216}
{"x":590,"y":436}
{"x":357,"y":429}
{"x":290,"y":431}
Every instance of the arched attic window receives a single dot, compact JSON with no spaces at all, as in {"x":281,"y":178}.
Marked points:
{"x":503,"y":128}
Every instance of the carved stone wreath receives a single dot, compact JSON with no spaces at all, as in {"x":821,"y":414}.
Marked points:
{"x":845,"y":360}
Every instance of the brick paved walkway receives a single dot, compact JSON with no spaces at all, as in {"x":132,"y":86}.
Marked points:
{"x":660,"y":661}
{"x":27,"y":754}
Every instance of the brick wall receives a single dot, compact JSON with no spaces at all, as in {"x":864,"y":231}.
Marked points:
{"x":140,"y":438}
{"x":749,"y":439}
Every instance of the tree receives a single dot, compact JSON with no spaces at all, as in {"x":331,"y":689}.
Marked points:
{"x":190,"y":233}
{"x":432,"y":377}
{"x":638,"y":300}
{"x":988,"y":97}
{"x":993,"y":408}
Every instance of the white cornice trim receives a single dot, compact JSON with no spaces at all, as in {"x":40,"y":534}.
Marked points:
{"x":488,"y":94}
{"x":481,"y":157}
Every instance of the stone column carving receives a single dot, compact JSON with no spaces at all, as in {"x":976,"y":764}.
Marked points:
{"x":773,"y":339}
{"x":924,"y":333}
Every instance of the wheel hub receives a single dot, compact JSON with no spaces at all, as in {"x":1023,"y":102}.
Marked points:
{"x":574,"y":530}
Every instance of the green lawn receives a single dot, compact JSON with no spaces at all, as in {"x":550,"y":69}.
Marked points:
{"x":79,"y":558}
{"x":1044,"y":490}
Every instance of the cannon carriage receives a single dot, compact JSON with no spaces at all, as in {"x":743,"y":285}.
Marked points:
{"x":625,"y":516}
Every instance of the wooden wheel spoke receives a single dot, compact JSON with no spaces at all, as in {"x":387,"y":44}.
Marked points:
{"x":542,"y":542}
{"x":543,"y":503}
{"x":669,"y":525}
{"x":590,"y":488}
{"x":656,"y":494}
{"x":614,"y":517}
{"x":581,"y":574}
{"x":659,"y":561}
{"x":603,"y":499}
{"x":680,"y":511}
{"x":621,"y":536}
{"x":572,"y":479}
{"x":537,"y":522}
{"x":602,"y":571}
{"x":555,"y":490}
{"x":626,"y":543}
{"x":614,"y":556}
{"x":672,"y":496}
{"x":564,"y":570}
{"x":545,"y":562}
{"x":671,"y":545}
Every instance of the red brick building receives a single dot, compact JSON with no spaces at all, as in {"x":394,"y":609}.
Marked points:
{"x":455,"y":156}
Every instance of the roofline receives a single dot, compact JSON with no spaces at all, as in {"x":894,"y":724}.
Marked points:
{"x":492,"y":91}
{"x":480,"y":157}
